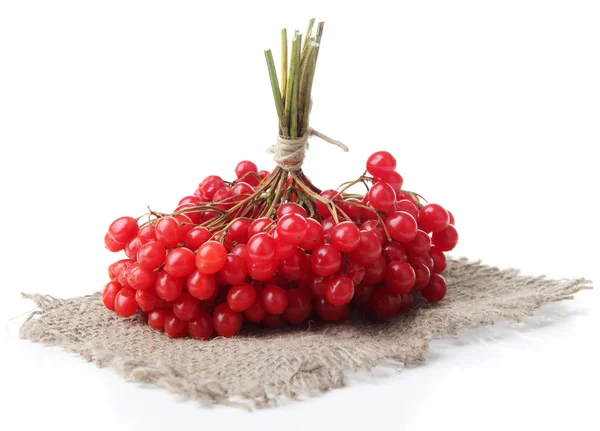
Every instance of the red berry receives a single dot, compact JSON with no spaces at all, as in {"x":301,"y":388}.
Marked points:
{"x":197,"y":236}
{"x":226,"y":321}
{"x":326,"y":260}
{"x":156,"y":318}
{"x":125,"y":303}
{"x":423,"y":258}
{"x":239,"y":230}
{"x":407,"y":302}
{"x":422,"y":275}
{"x":408,"y":206}
{"x":433,"y":218}
{"x":274,"y":299}
{"x":152,"y":254}
{"x":132,"y":248}
{"x":274,"y":321}
{"x":381,"y":163}
{"x":175,"y":327}
{"x":123,"y":229}
{"x":386,"y":303}
{"x":363,"y":293}
{"x":241,"y":297}
{"x":242,"y":188}
{"x":201,"y":328}
{"x":109,"y":294}
{"x":210,"y":257}
{"x":244,"y":167}
{"x":146,"y":299}
{"x":299,"y":306}
{"x":394,"y":251}
{"x":168,"y":287}
{"x":112,"y":245}
{"x":395,"y":180}
{"x":261,"y":248}
{"x":314,"y":235}
{"x":340,"y":290}
{"x":140,"y":277}
{"x":292,"y":228}
{"x":401,"y":226}
{"x":256,"y":313}
{"x":147,"y":234}
{"x":322,"y":208}
{"x":439,"y":259}
{"x":168,"y":231}
{"x":234,"y":270}
{"x":259,"y":225}
{"x":180,"y":262}
{"x":262,"y":271}
{"x":375,"y":227}
{"x":186,"y":307}
{"x":420,"y":243}
{"x":330,"y":312}
{"x":369,"y":248}
{"x":345,"y":236}
{"x":436,"y":289}
{"x":451,"y":218}
{"x":318,"y":285}
{"x":447,"y":239}
{"x":400,"y":277}
{"x":375,"y":272}
{"x":283,"y":249}
{"x":210,"y":185}
{"x":291,"y":208}
{"x":201,"y":286}
{"x":382,"y":197}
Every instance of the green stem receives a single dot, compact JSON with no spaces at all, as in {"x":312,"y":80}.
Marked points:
{"x":284,"y":61}
{"x":276,"y":92}
{"x":295,"y":89}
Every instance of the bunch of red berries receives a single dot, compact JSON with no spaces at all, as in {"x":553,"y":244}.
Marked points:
{"x":272,"y":249}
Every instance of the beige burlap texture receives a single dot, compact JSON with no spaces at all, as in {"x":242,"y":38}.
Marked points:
{"x":258,"y":368}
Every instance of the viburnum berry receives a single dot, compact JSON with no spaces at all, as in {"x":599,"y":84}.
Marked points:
{"x":201,"y":328}
{"x":146,"y":299}
{"x":422,"y":275}
{"x":125,"y":303}
{"x":210,"y":257}
{"x":175,"y":327}
{"x":421,"y":243}
{"x":180,"y":262}
{"x":291,"y":208}
{"x":244,"y":167}
{"x":331,"y":312}
{"x":226,"y":322}
{"x":314,"y":235}
{"x":382,"y":197}
{"x":238,"y":230}
{"x":433,"y":218}
{"x":168,"y":232}
{"x":132,"y":247}
{"x":241,"y":297}
{"x":345,"y":236}
{"x":197,"y":236}
{"x":322,"y":207}
{"x":386,"y":303}
{"x":274,"y":299}
{"x":156,"y":318}
{"x":439,"y":259}
{"x":381,"y":163}
{"x":201,"y":286}
{"x":115,"y":269}
{"x":375,"y":227}
{"x":369,"y":248}
{"x":259,"y":225}
{"x":394,"y":251}
{"x":147,"y":233}
{"x":109,"y":294}
{"x":400,"y":277}
{"x":394,"y":179}
{"x":340,"y":290}
{"x":299,"y":306}
{"x":210,"y":185}
{"x":140,"y":277}
{"x":408,"y":206}
{"x":363,"y":293}
{"x":446,"y":239}
{"x":186,"y":307}
{"x":261,"y":248}
{"x":423,"y":258}
{"x":123,"y":230}
{"x":407,"y":301}
{"x":326,"y":260}
{"x":256,"y":313}
{"x":262,"y":271}
{"x":401,"y":226}
{"x":375,"y":272}
{"x":112,"y":245}
{"x":152,"y":254}
{"x":435,"y":290}
{"x":274,"y":321}
{"x":234,"y":270}
{"x":292,"y":228}
{"x":168,"y":287}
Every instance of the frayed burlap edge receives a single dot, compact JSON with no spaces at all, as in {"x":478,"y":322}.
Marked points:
{"x":258,"y":368}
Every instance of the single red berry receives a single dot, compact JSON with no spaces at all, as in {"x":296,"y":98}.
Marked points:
{"x":201,"y":286}
{"x":395,"y":180}
{"x":439,"y":260}
{"x":186,"y":225}
{"x":132,"y":248}
{"x":369,"y":248}
{"x":115,"y":269}
{"x":318,"y":284}
{"x":197,"y":236}
{"x":330,"y":312}
{"x":422,"y":276}
{"x":363,"y":293}
{"x":400,"y":277}
{"x":340,"y":290}
{"x":261,"y":248}
{"x":382,"y":197}
{"x":244,"y":167}
{"x":168,"y":231}
{"x":226,"y":322}
{"x":407,"y":302}
{"x":112,"y":245}
{"x":125,"y":303}
{"x":314,"y":235}
{"x":394,"y":251}
{"x":175,"y":327}
{"x":401,"y":226}
{"x":408,"y":207}
{"x":299,"y":306}
{"x":140,"y":277}
{"x":210,"y":257}
{"x":147,"y":234}
{"x":423,"y":258}
{"x":381,"y":163}
{"x":262,"y":271}
{"x":168,"y":287}
{"x":386,"y":303}
{"x":345,"y":236}
{"x":326,"y":260}
{"x":152,"y":254}
{"x":146,"y":299}
{"x":242,"y":188}
{"x":322,"y":208}
{"x":109,"y":294}
{"x":375,"y":272}
{"x":420,"y":243}
{"x":210,"y":185}
{"x":256,"y":313}
{"x":433,"y":218}
{"x":436,"y":289}
{"x":201,"y":328}
{"x":156,"y":318}
{"x":375,"y":227}
{"x":259,"y":225}
{"x":274,"y":299}
{"x":238,"y":230}
{"x":123,"y":229}
{"x":291,"y":208}
{"x":233,"y":272}
{"x":241,"y":297}
{"x":292,"y":228}
{"x":447,"y":239}
{"x":180,"y":262}
{"x":186,"y":307}
{"x":283,"y":249}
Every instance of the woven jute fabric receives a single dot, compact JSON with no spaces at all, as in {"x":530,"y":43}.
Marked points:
{"x":259,"y":367}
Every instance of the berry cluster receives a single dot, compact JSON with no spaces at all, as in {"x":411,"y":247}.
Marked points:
{"x":272,"y":249}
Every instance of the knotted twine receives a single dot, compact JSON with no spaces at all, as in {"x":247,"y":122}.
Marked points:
{"x":258,"y":367}
{"x":289,"y":153}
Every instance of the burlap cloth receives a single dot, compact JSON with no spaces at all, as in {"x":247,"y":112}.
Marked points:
{"x":257,"y":368}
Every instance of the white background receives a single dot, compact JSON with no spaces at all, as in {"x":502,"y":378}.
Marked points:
{"x":491,"y":108}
